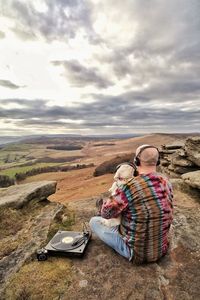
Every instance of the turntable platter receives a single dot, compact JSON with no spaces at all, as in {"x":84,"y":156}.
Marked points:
{"x":66,"y":241}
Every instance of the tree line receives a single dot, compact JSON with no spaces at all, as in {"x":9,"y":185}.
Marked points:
{"x":35,"y":171}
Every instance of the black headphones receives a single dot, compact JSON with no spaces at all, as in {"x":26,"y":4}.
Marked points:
{"x":137,"y":159}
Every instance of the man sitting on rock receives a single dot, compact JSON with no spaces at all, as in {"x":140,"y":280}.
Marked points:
{"x":145,"y":205}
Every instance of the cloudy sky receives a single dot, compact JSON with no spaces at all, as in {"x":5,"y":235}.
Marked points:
{"x":99,"y":66}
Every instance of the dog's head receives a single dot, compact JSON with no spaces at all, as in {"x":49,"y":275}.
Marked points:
{"x":124,"y":172}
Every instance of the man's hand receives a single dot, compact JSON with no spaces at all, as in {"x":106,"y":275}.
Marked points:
{"x":112,"y":207}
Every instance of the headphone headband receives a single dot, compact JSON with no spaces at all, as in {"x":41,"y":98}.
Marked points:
{"x":146,"y":147}
{"x":137,"y":160}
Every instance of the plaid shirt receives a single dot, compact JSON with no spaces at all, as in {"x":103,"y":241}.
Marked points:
{"x":145,"y":205}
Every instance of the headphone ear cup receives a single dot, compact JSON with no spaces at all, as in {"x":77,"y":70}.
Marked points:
{"x":137,"y":161}
{"x":158,"y":162}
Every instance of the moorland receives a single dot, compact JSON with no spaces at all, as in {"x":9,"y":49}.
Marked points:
{"x":72,"y":161}
{"x":75,"y":172}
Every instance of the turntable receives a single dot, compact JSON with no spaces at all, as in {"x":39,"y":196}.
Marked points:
{"x":69,"y":243}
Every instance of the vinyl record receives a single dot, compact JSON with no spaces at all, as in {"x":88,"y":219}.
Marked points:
{"x":66,"y":241}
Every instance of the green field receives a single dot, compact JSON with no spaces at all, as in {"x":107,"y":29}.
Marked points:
{"x":21,"y":158}
{"x":12,"y":171}
{"x":13,"y":157}
{"x":16,"y":154}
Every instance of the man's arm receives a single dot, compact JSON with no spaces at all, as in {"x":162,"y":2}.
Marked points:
{"x":113,"y":207}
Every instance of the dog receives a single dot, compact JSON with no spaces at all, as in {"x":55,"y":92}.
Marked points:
{"x":123,"y":174}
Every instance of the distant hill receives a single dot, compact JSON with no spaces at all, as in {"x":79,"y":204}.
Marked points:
{"x":46,"y":138}
{"x":49,"y":138}
{"x":9,"y":139}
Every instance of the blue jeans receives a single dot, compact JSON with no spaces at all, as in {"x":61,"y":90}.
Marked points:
{"x":111,"y":236}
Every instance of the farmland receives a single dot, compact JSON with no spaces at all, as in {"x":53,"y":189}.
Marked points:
{"x":23,"y":157}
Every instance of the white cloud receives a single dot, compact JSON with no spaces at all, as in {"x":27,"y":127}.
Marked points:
{"x":39,"y":6}
{"x":114,"y":21}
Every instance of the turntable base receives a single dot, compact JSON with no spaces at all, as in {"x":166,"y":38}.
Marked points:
{"x":70,"y":243}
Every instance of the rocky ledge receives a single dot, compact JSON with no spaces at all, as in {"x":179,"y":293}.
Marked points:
{"x":18,"y":195}
{"x":192,"y":179}
{"x":27,"y":219}
{"x":182,"y":160}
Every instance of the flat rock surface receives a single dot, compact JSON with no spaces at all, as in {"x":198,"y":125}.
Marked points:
{"x":178,"y":160}
{"x":18,"y":195}
{"x":192,"y":179}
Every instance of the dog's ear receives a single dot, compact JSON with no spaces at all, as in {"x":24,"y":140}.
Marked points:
{"x":99,"y":203}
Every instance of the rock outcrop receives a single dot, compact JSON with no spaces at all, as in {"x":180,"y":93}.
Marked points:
{"x":192,"y":148}
{"x":110,"y":165}
{"x":26,"y":217}
{"x":18,"y":195}
{"x":192,"y":179}
{"x":182,"y":161}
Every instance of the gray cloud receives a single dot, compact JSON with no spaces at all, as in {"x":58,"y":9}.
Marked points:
{"x":160,"y":64}
{"x":9,"y":84}
{"x":61,"y":20}
{"x":102,"y":113}
{"x":81,"y":76}
{"x":23,"y":103}
{"x":164,"y":46}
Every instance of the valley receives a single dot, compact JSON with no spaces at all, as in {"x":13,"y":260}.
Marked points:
{"x":78,"y":183}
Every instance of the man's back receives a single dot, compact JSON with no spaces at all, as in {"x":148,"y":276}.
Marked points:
{"x":145,"y":205}
{"x":148,"y":216}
